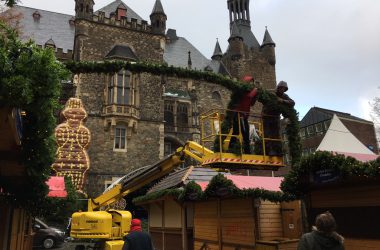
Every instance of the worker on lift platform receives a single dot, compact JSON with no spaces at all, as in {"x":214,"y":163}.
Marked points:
{"x":242,"y":110}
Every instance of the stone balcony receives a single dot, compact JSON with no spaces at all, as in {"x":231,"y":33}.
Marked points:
{"x":121,"y":110}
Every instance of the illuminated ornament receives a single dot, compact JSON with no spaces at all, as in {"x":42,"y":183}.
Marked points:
{"x":73,"y":140}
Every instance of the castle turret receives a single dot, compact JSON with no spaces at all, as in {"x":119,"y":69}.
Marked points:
{"x":218,"y":54}
{"x":158,"y":18}
{"x":84,"y":9}
{"x":239,"y":11}
{"x":239,"y":15}
{"x":236,"y":43}
{"x":268,"y":48}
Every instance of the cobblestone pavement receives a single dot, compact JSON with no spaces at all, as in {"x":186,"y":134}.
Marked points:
{"x":71,"y":246}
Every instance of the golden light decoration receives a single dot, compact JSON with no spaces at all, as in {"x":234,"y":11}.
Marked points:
{"x":73,"y":139}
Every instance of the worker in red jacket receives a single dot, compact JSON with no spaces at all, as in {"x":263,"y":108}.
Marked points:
{"x":242,"y":110}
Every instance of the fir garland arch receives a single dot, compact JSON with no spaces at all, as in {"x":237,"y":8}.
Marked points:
{"x":237,"y":88}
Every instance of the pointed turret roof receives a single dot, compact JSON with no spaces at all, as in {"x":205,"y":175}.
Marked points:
{"x":235,"y":32}
{"x":267,"y":39}
{"x":217,"y":52}
{"x":157,"y":8}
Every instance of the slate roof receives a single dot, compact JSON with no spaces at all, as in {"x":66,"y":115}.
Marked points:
{"x":56,"y":27}
{"x":218,"y":67}
{"x":112,"y":7}
{"x":176,"y":54}
{"x":217,"y":51}
{"x":51,"y":25}
{"x":316,"y":115}
{"x":267,"y":39}
{"x":157,"y":8}
{"x":183,"y":176}
{"x":245,"y":32}
{"x":122,"y":52}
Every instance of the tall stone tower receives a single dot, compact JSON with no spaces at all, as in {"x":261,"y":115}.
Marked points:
{"x":84,"y":9}
{"x":124,"y":108}
{"x":245,"y":56}
{"x":158,"y":18}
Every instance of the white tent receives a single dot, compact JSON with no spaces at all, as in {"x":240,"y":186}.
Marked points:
{"x":339,"y":139}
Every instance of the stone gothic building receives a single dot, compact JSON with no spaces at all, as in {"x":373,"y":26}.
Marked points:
{"x":137,"y":119}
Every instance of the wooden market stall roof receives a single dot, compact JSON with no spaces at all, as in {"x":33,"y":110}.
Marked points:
{"x":251,"y":182}
{"x":183,"y":176}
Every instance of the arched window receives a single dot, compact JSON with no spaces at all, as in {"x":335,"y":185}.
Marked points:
{"x":170,"y":145}
{"x":120,"y":140}
{"x":81,"y":7}
{"x":169,"y":114}
{"x":182,"y":115}
{"x":216,"y":96}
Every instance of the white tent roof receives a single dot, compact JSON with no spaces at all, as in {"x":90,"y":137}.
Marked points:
{"x":339,"y":139}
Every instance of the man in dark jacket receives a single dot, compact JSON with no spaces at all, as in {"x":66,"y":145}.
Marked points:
{"x":271,"y":121}
{"x":137,"y":239}
{"x":323,"y":236}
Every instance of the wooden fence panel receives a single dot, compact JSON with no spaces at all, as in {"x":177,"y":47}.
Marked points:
{"x":361,"y":244}
{"x":270,"y":220}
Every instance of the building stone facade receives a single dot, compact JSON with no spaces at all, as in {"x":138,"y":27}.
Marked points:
{"x":137,"y":119}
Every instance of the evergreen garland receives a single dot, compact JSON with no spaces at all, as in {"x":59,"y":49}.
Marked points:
{"x":30,"y":80}
{"x":297,"y":182}
{"x":219,"y":186}
{"x":192,"y":191}
{"x":237,"y":90}
{"x":9,"y":3}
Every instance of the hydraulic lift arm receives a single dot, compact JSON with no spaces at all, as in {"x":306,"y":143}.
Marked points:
{"x":149,"y":174}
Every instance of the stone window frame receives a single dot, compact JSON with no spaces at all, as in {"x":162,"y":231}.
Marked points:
{"x":182,"y":115}
{"x":113,"y":88}
{"x":121,"y":138}
{"x":178,"y":108}
{"x":167,"y":148}
{"x":303,"y":133}
{"x":310,"y":130}
{"x":319,"y":128}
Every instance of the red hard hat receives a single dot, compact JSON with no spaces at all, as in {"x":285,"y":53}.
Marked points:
{"x":248,"y":78}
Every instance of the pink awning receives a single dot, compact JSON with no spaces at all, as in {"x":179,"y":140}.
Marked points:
{"x":360,"y":157}
{"x":251,"y":182}
{"x":56,"y":187}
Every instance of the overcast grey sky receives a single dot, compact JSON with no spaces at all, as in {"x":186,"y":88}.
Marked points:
{"x":327,"y":50}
